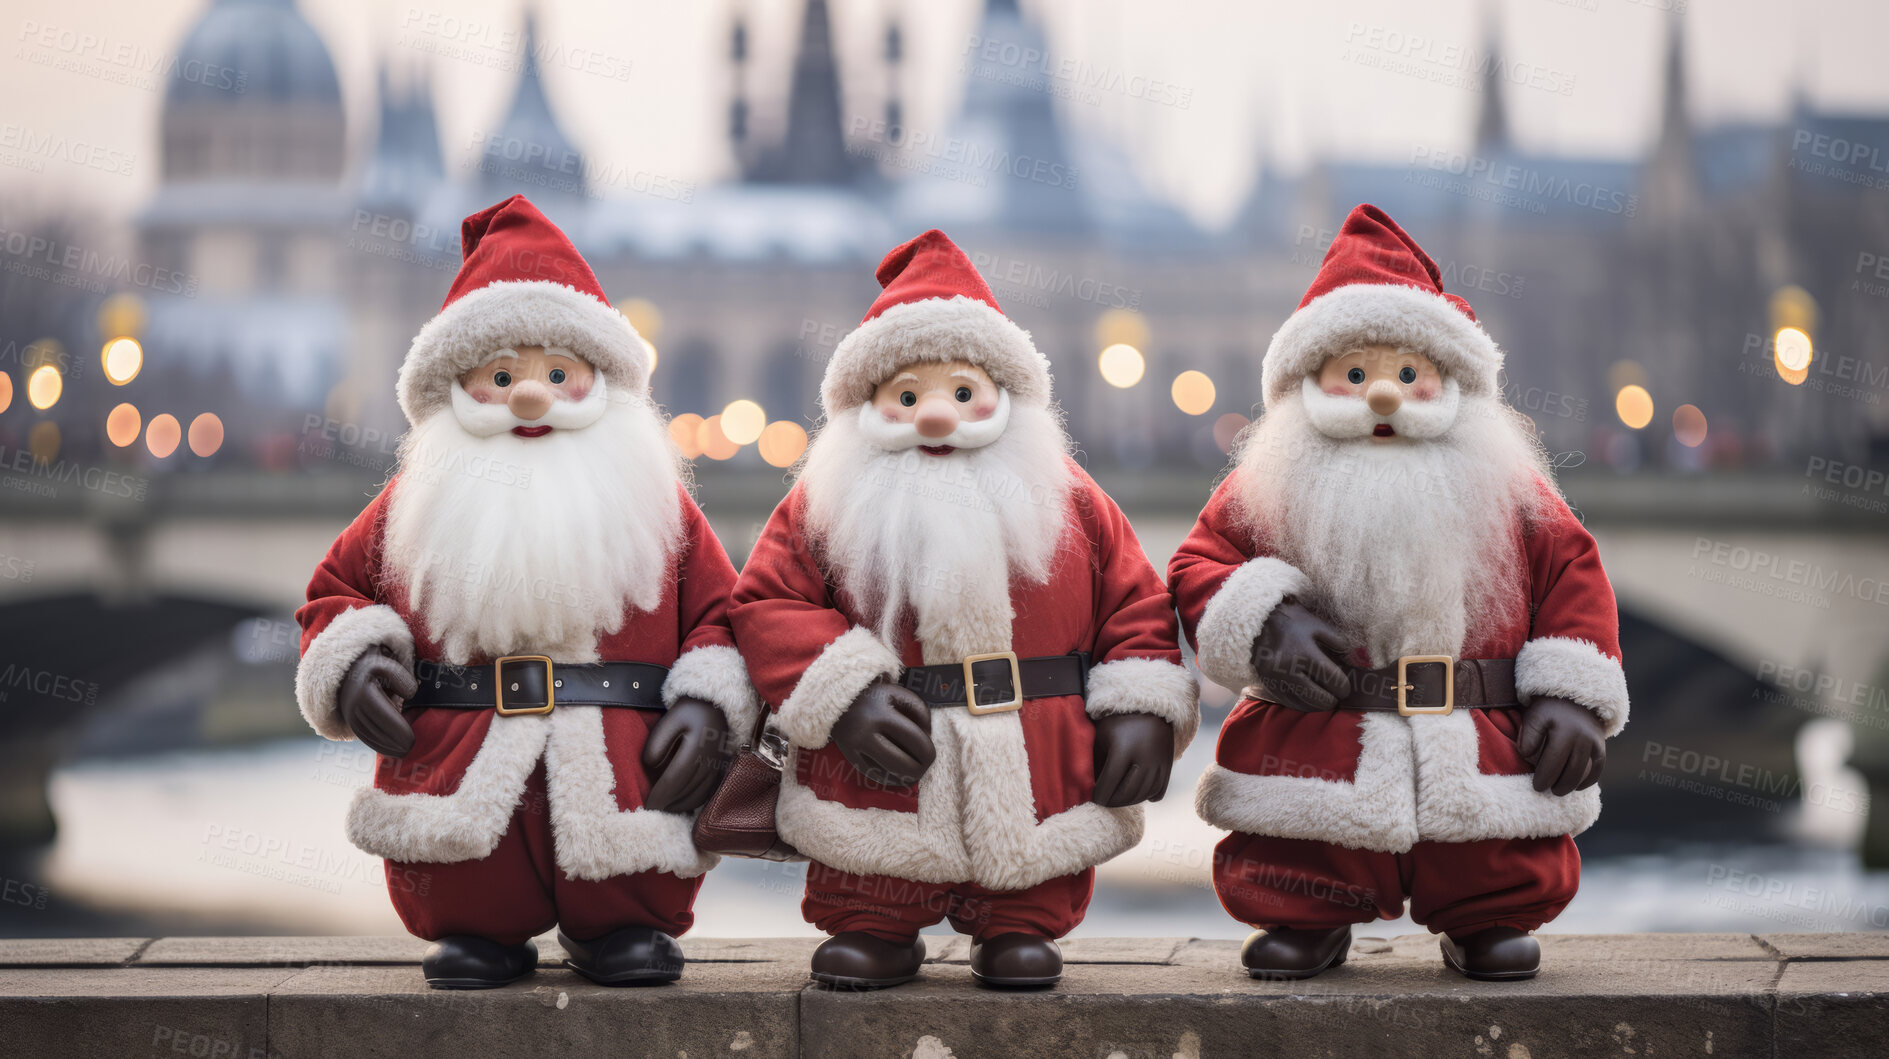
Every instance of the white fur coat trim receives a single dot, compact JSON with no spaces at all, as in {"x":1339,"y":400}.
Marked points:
{"x":1575,"y":670}
{"x":1147,"y":685}
{"x":844,"y":669}
{"x":716,"y":674}
{"x":318,"y":675}
{"x":514,"y":313}
{"x":1392,"y":313}
{"x":976,"y":819}
{"x":1417,"y":779}
{"x":934,"y":329}
{"x":593,"y":839}
{"x":1235,"y":616}
{"x":1375,"y":810}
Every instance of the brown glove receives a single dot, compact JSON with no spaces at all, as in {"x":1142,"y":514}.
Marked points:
{"x":1565,"y":742}
{"x":1293,"y":657}
{"x":1133,"y":753}
{"x":686,"y":753}
{"x":369,"y":702}
{"x":886,"y":734}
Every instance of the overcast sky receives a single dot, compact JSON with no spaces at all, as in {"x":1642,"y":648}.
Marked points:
{"x":1357,"y":78}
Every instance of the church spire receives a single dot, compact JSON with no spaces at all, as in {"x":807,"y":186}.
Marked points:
{"x":1492,"y":122}
{"x":813,"y":147}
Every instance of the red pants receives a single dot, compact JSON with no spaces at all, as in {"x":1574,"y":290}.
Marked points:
{"x":1453,"y":887}
{"x":897,"y":909}
{"x":517,"y":892}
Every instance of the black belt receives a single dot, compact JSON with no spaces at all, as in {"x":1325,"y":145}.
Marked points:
{"x":1416,"y":685}
{"x":519,"y":685}
{"x":995,"y":678}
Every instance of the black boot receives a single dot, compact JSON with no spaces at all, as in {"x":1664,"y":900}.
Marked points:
{"x":631,"y":956}
{"x":463,"y":961}
{"x":1290,"y":953}
{"x":856,"y":960}
{"x":1499,"y":954}
{"x":1016,"y":961}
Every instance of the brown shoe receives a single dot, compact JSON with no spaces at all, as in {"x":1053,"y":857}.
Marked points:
{"x":1499,"y":954}
{"x":1285,"y":953}
{"x":856,"y":960}
{"x":1016,"y":961}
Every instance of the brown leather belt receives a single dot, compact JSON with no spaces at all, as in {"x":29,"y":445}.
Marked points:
{"x":997,"y":683}
{"x":535,"y":684}
{"x":1414,"y":685}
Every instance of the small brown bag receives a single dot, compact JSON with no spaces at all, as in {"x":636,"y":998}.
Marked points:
{"x":738,"y":820}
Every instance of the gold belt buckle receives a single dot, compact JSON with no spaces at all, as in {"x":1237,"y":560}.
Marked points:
{"x":550,"y":689}
{"x":1404,"y":686}
{"x":970,"y":684}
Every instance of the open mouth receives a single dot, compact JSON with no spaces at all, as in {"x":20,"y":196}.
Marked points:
{"x":1383,"y":430}
{"x":937,"y":450}
{"x":531,"y":432}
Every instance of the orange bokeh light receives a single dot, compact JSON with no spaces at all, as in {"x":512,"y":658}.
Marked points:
{"x":1689,"y":425}
{"x":162,"y":436}
{"x":121,"y":426}
{"x":715,"y":444}
{"x":683,"y":430}
{"x":782,"y":443}
{"x":206,"y":434}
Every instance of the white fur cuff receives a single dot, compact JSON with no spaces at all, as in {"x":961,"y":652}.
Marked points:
{"x":1575,"y":670}
{"x":318,"y":676}
{"x":847,"y":666}
{"x":1151,"y":686}
{"x":1236,"y":614}
{"x":716,"y":674}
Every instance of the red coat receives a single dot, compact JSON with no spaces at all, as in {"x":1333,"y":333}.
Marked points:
{"x":1006,"y":804}
{"x":452,"y":797}
{"x":1380,"y":781}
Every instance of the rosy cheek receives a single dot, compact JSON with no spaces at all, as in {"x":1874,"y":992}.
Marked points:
{"x":983,"y":409}
{"x":576,"y":390}
{"x":1424,"y":391}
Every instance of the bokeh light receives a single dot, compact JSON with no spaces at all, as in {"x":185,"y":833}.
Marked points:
{"x":1227,"y":428}
{"x":44,"y":386}
{"x":206,"y":434}
{"x":742,"y":421}
{"x":1193,"y":392}
{"x":713,"y":442}
{"x":122,"y":425}
{"x":1122,"y":365}
{"x":1792,"y":351}
{"x":782,"y":443}
{"x":1634,"y":406}
{"x":121,"y":314}
{"x":1689,"y":425}
{"x":162,"y":436}
{"x":645,"y":317}
{"x":1121,"y":327}
{"x":123,"y":359}
{"x":686,"y":429}
{"x":43,"y":442}
{"x":6,"y":391}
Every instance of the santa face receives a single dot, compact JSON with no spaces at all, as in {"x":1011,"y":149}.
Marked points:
{"x":530,"y":391}
{"x":531,"y":521}
{"x":1382,"y":393}
{"x":937,"y":408}
{"x":925,"y":501}
{"x":1397,"y":496}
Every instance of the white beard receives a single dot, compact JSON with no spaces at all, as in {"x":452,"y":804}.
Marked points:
{"x":939,"y":537}
{"x":1409,"y":545}
{"x":510,"y":545}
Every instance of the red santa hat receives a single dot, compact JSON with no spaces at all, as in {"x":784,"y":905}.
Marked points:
{"x":934,"y":306}
{"x":521,"y":283}
{"x":1378,"y":286}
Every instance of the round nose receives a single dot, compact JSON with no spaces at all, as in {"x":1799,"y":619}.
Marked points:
{"x":936,"y":417}
{"x":1384,"y":397}
{"x":529,"y":399}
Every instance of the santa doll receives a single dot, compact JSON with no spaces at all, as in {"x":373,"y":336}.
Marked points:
{"x":974,"y":663}
{"x":1427,"y":643}
{"x":529,"y":625}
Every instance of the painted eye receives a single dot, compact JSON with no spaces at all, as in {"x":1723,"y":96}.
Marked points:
{"x":964,"y":395}
{"x":1408,"y":375}
{"x":908,"y":398}
{"x":502,"y":378}
{"x":557,"y":376}
{"x":1356,"y":375}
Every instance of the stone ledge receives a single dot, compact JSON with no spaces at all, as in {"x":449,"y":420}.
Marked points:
{"x":247,"y":998}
